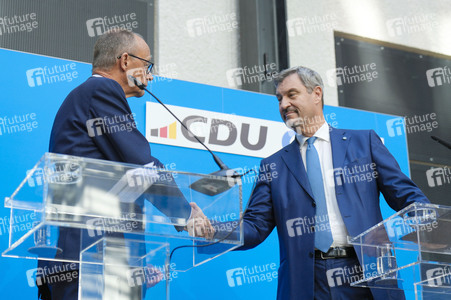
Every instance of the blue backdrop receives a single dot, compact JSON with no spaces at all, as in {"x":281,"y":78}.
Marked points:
{"x":31,"y":100}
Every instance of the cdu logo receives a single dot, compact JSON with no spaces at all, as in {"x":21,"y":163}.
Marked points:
{"x":221,"y":132}
{"x":230,"y":132}
{"x":168,"y":131}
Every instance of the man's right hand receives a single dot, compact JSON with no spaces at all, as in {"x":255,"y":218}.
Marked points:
{"x":198,"y":224}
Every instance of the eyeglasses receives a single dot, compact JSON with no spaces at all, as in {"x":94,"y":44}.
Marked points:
{"x":149,"y":63}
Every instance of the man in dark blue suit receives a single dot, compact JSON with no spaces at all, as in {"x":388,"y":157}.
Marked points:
{"x":95,"y":121}
{"x":326,"y":188}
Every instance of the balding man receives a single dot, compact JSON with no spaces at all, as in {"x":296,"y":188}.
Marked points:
{"x":103,"y":97}
{"x":82,"y":127}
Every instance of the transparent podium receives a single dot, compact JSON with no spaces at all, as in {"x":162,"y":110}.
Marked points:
{"x":410,"y":250}
{"x":123,"y":230}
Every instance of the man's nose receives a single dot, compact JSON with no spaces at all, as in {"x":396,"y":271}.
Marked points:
{"x":284,"y":103}
{"x":149,"y":77}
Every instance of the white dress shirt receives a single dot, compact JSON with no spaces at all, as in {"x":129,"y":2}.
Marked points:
{"x":324,"y":149}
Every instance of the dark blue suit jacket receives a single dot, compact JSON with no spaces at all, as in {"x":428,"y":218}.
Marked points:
{"x":287,"y":195}
{"x":76,"y":132}
{"x":98,"y":97}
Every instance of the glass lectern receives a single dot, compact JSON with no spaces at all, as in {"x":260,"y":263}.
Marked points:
{"x":117,"y":224}
{"x":409,"y":250}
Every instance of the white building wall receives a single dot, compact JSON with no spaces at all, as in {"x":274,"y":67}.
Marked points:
{"x":311,"y":24}
{"x":197,"y":40}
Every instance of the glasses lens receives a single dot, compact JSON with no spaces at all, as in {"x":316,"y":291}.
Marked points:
{"x":149,"y":68}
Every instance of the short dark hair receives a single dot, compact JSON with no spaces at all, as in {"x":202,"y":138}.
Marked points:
{"x":110,"y":45}
{"x":309,"y":78}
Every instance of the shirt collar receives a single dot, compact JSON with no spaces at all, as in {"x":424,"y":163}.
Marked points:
{"x":322,"y":133}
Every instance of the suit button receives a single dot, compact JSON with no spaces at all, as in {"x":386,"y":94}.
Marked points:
{"x":310,"y":254}
{"x":314,"y":204}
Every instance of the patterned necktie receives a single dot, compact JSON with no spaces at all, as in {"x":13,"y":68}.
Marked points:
{"x":323,"y":235}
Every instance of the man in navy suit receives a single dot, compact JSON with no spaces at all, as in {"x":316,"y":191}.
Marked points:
{"x":327,"y":188}
{"x":87,"y":125}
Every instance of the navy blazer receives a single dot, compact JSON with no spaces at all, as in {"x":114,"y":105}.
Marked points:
{"x":81,"y":129}
{"x":96,"y":121}
{"x":99,"y":98}
{"x":283,"y":193}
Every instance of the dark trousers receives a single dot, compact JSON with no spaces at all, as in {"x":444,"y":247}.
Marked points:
{"x":333,"y":278}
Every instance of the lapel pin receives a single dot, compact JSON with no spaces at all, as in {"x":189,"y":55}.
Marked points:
{"x":345,"y":138}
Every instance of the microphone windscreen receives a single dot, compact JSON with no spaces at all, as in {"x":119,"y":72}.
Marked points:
{"x":136,"y":81}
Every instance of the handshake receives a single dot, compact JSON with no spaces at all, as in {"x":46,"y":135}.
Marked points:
{"x":198,"y":224}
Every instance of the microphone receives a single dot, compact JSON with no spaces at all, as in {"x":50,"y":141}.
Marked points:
{"x":215,"y":184}
{"x":444,"y":143}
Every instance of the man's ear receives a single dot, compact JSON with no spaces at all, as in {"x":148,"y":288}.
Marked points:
{"x":318,"y":91}
{"x":123,"y":61}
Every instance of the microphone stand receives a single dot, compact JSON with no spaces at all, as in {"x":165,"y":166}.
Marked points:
{"x":210,"y":186}
{"x":440,"y":141}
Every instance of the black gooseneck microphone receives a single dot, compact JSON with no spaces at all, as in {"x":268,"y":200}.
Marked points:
{"x":210,"y":186}
{"x":439,"y":140}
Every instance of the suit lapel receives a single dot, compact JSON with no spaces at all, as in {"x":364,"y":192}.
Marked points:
{"x":293,"y":160}
{"x":339,"y":142}
{"x":292,"y":157}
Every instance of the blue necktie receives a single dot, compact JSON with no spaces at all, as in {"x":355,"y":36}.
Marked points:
{"x":323,"y":235}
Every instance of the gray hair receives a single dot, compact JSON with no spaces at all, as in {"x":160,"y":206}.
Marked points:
{"x":110,"y":45}
{"x":309,"y":78}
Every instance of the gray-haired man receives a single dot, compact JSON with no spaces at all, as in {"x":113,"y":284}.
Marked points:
{"x":314,"y":209}
{"x":117,"y":54}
